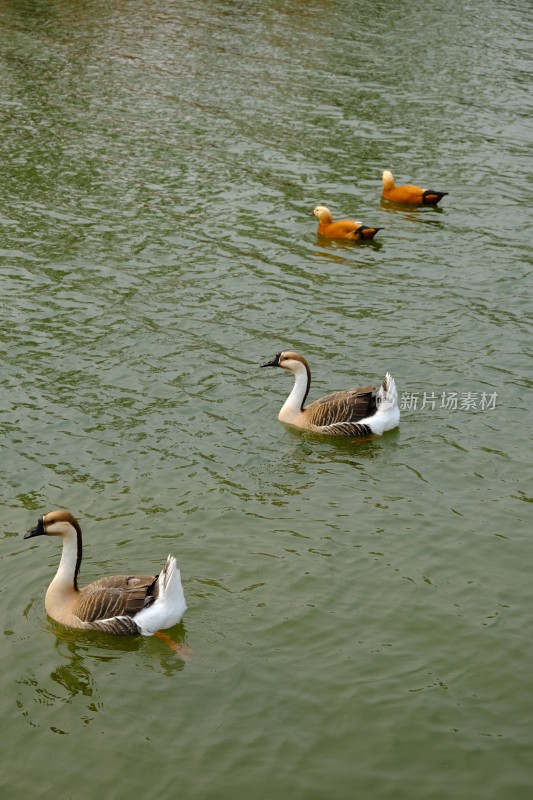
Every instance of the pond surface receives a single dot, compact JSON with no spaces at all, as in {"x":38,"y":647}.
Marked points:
{"x":359,"y":612}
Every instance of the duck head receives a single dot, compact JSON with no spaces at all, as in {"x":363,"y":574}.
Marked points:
{"x":388,"y":179}
{"x":323,"y":214}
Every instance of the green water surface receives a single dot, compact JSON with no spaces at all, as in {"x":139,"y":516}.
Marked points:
{"x":359,"y":612}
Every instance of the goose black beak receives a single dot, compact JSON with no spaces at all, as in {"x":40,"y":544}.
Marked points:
{"x":37,"y":531}
{"x":274,"y":362}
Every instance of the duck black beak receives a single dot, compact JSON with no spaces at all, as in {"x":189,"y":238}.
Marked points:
{"x":274,"y":362}
{"x":37,"y":531}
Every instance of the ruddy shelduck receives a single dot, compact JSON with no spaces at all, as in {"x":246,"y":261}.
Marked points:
{"x":343,"y":228}
{"x":356,"y":412}
{"x":408,"y":194}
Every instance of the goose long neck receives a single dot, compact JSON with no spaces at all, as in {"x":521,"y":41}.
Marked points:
{"x":66,"y":577}
{"x":300,"y":390}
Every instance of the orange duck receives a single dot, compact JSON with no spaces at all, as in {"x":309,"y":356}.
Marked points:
{"x":408,"y":194}
{"x":343,"y":228}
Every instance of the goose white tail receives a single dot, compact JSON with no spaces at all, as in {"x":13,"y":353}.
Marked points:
{"x":387,"y":415}
{"x":169,"y":605}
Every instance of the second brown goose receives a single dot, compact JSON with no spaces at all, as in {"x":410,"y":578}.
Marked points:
{"x":355,"y":412}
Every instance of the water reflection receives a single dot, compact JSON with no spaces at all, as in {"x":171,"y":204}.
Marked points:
{"x":333,"y":257}
{"x":409,"y":213}
{"x":323,"y":241}
{"x":368,"y":444}
{"x":80,"y":676}
{"x":333,"y":249}
{"x":72,"y":677}
{"x":73,"y":638}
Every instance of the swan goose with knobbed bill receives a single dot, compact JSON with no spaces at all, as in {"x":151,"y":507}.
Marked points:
{"x":408,"y":194}
{"x":356,"y":412}
{"x":122,"y":604}
{"x":343,"y":228}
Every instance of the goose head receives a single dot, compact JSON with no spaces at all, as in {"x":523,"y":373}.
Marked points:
{"x":323,"y":214}
{"x":288,"y":360}
{"x":292,"y":361}
{"x":55,"y":523}
{"x":388,"y":179}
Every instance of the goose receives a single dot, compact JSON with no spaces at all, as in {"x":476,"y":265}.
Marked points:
{"x":343,"y":228}
{"x":356,"y":412}
{"x":122,"y":604}
{"x":408,"y":194}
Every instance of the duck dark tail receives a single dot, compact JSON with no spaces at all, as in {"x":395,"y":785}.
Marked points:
{"x":365,"y":232}
{"x":431,"y":198}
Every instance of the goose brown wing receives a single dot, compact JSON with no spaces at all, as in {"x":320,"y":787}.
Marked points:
{"x":119,"y":595}
{"x":342,"y":408}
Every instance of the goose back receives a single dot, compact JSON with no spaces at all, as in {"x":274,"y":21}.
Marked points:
{"x":336,"y":413}
{"x":115,"y":596}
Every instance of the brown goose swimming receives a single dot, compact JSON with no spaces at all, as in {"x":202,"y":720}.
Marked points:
{"x":121,"y":604}
{"x":356,"y":412}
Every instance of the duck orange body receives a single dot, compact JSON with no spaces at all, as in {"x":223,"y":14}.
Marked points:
{"x":343,"y":228}
{"x":408,"y":194}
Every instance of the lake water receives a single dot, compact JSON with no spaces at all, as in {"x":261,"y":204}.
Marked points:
{"x":359,"y":612}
